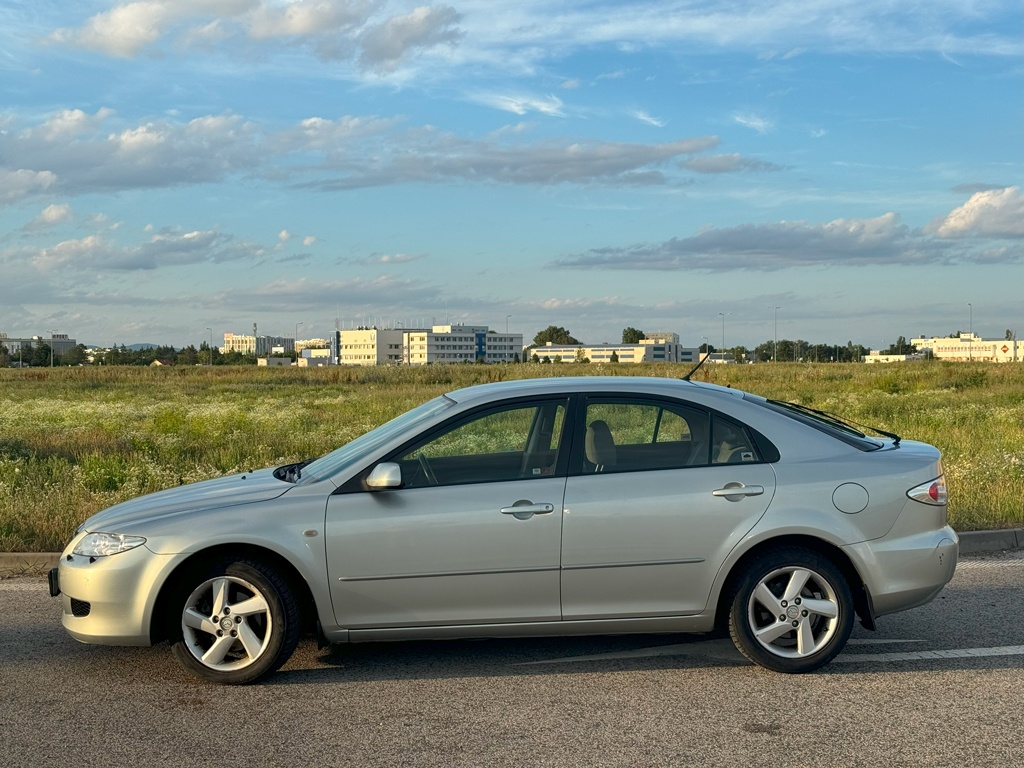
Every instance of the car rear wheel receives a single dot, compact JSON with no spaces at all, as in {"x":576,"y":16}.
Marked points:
{"x":238,"y":620}
{"x":792,"y":611}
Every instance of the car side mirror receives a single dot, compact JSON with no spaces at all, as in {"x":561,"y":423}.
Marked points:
{"x":387,"y":474}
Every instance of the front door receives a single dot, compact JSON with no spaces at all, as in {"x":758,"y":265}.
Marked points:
{"x":472,"y":537}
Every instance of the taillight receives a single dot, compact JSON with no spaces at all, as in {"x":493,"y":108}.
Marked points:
{"x":932,"y":492}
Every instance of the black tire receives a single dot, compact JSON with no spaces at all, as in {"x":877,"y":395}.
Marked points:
{"x":236,"y":621}
{"x":791,"y":611}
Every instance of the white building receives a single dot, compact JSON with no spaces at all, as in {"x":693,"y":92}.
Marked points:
{"x":968,"y":347}
{"x":460,"y":344}
{"x":371,"y":346}
{"x":656,"y":348}
{"x":314,"y":357}
{"x":421,"y":346}
{"x":58,"y":342}
{"x":261,"y":346}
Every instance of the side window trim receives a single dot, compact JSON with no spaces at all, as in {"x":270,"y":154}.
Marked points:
{"x":357,"y":483}
{"x":766,"y":450}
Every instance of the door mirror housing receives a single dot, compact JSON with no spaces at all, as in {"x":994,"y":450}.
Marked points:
{"x":385,"y":475}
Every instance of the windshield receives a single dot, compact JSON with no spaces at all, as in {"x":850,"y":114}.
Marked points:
{"x":338,"y":459}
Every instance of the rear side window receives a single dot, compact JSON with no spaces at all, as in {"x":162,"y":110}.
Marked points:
{"x":623,"y":435}
{"x":833,"y":427}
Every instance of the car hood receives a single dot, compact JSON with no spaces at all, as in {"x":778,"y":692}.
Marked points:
{"x":209,"y":494}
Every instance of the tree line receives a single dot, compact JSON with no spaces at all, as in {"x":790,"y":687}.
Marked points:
{"x":41,"y":354}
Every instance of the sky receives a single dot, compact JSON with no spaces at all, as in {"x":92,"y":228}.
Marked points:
{"x":825,"y":170}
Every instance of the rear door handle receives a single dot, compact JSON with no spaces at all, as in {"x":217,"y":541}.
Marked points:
{"x":736,"y":491}
{"x":524,"y":509}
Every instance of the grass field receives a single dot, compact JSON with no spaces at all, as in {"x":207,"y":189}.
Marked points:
{"x":76,"y":440}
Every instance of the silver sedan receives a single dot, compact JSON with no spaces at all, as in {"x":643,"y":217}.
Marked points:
{"x":555,"y":506}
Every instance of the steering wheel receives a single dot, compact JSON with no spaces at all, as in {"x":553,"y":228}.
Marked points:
{"x":428,"y":471}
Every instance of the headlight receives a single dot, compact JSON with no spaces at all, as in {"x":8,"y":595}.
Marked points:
{"x":103,"y":544}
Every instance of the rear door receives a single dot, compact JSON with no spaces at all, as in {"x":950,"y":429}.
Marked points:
{"x":650,"y":517}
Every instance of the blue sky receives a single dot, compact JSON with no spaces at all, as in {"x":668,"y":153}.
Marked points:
{"x":168,"y":166}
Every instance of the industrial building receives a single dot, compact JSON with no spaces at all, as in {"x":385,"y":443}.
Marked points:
{"x":968,"y":347}
{"x":656,"y":348}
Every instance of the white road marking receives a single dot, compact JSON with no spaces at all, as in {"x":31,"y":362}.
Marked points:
{"x":873,"y":641}
{"x":953,"y":653}
{"x":724,"y":649}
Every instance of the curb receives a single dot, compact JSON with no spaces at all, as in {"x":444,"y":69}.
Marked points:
{"x":971,"y":543}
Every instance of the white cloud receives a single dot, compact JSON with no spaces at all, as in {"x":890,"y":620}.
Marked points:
{"x":309,"y":240}
{"x":284,"y":236}
{"x":385,"y":45}
{"x":347,"y":153}
{"x":876,"y":241}
{"x":389,"y":258}
{"x":331,"y":29}
{"x":643,"y":117}
{"x":17,"y":184}
{"x":989,"y":213}
{"x":731,"y":163}
{"x":754,"y":122}
{"x":93,"y":254}
{"x":305,"y":18}
{"x":51,"y":215}
{"x":521,"y":104}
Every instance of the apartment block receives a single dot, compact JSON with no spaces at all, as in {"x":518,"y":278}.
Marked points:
{"x":422,"y":346}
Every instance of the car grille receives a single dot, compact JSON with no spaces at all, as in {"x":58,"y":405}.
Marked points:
{"x":80,"y":608}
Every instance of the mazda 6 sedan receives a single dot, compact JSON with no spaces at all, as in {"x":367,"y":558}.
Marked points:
{"x":558,"y":506}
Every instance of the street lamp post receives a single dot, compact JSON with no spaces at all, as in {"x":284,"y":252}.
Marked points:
{"x":51,"y":345}
{"x":723,"y":314}
{"x":775,"y":342}
{"x":970,"y":331}
{"x":295,"y":347}
{"x":506,"y":323}
{"x":211,"y":346}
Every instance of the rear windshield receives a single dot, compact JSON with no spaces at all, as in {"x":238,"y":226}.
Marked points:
{"x":830,"y":425}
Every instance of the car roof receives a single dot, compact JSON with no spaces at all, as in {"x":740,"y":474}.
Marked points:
{"x":572,"y":384}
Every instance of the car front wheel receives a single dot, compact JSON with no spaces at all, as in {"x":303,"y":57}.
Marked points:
{"x":239,"y":621}
{"x":792,"y":611}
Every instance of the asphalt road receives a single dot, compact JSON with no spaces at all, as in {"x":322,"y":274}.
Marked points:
{"x":940,"y":685}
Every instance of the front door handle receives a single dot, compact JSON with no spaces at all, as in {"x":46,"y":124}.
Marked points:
{"x":736,"y":491}
{"x":525,"y":509}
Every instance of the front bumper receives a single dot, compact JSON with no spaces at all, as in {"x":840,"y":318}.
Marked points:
{"x":109,"y":600}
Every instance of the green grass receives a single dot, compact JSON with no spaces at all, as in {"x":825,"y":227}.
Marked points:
{"x":73,"y":441}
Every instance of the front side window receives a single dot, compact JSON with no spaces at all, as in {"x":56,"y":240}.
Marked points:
{"x":506,"y":443}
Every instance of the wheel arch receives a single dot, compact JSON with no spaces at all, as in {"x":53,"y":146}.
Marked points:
{"x":861,"y":596}
{"x":162,"y":621}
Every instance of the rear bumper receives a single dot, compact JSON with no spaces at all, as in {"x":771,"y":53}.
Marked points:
{"x":908,"y":571}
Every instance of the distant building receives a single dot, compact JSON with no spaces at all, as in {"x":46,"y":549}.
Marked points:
{"x":875,"y":356}
{"x":314,"y":358}
{"x":460,"y":344}
{"x":275,"y":362}
{"x":656,"y":348}
{"x":371,"y":346}
{"x":261,"y":346}
{"x":422,"y":346}
{"x":58,"y":342}
{"x":968,"y":347}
